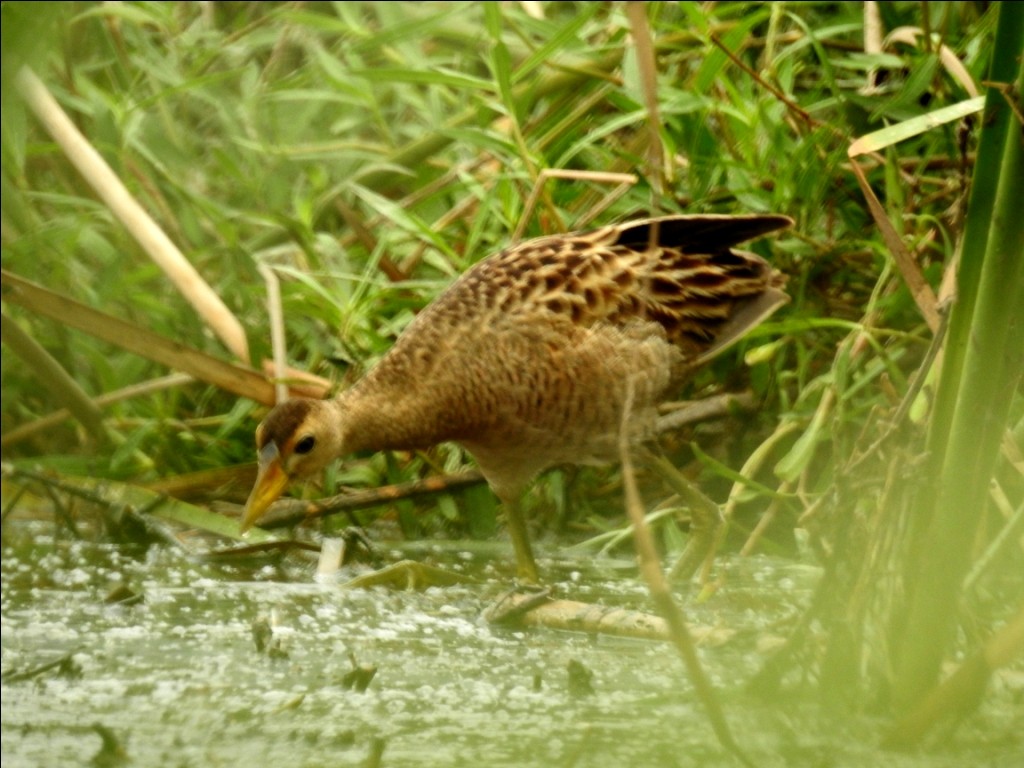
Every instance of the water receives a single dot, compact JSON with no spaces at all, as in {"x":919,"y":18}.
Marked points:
{"x":175,"y":678}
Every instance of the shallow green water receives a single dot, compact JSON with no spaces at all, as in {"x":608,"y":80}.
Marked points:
{"x":177,"y":680}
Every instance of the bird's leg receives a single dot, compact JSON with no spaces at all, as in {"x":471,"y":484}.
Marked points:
{"x":706,"y":523}
{"x":526,"y":566}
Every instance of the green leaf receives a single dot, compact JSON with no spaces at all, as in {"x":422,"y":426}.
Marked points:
{"x":915,"y":126}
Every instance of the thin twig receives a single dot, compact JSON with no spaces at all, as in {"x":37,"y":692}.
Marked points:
{"x":792,"y":105}
{"x":55,"y":378}
{"x":277,"y":336}
{"x":657,"y":585}
{"x":25,"y":431}
{"x":640,"y":29}
{"x":293,"y":511}
{"x":1007,"y":91}
{"x":602,"y":177}
{"x":919,"y":288}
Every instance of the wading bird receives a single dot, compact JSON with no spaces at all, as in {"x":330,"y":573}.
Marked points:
{"x":528,"y":359}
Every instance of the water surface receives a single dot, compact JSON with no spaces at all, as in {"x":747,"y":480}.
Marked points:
{"x":174,"y":678}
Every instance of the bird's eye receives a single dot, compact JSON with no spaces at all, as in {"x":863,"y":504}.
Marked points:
{"x":305,"y":445}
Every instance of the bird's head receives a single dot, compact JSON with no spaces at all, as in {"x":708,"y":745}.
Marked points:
{"x":297,"y":439}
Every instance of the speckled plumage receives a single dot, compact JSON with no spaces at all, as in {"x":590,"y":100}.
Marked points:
{"x":526,"y":359}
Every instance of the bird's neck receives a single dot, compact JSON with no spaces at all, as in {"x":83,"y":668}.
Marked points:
{"x":376,"y":420}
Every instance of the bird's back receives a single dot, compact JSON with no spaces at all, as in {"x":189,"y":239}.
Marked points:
{"x":528,"y":358}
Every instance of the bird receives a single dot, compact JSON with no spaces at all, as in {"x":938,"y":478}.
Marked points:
{"x":529,"y":359}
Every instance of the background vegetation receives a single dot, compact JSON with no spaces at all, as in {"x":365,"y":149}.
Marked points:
{"x":371,"y":152}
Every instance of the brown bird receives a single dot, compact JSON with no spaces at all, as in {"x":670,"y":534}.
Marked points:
{"x":527,"y":360}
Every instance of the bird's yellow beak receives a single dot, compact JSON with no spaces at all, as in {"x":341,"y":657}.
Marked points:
{"x":271,"y":480}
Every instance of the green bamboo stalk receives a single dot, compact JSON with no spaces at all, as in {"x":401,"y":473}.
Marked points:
{"x":982,"y":370}
{"x":996,"y":121}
